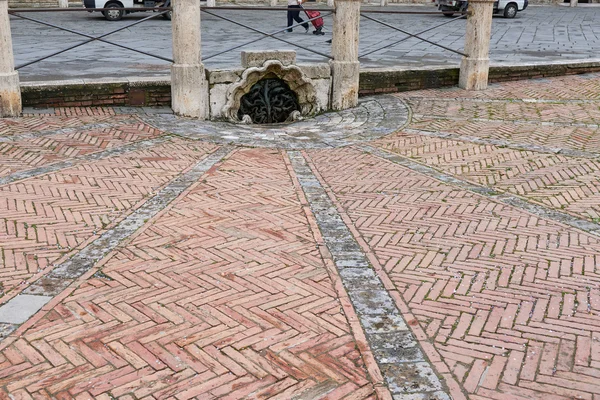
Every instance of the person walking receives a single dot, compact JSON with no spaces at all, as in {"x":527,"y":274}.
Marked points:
{"x":294,"y":7}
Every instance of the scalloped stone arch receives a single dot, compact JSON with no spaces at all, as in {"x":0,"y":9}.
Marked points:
{"x":298,"y":82}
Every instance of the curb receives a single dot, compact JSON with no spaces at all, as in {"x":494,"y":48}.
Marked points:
{"x":156,"y":91}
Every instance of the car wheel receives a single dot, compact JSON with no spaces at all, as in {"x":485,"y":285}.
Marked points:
{"x":510,"y":11}
{"x":449,"y":14}
{"x":113,"y":15}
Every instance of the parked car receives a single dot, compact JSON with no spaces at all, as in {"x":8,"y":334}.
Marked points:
{"x":117,"y":11}
{"x":508,"y":8}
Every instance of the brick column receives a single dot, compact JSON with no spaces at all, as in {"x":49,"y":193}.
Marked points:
{"x":475,"y":67}
{"x":345,"y":67}
{"x":10,"y":91}
{"x":189,"y":88}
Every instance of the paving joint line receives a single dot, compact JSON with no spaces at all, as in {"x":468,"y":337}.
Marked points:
{"x":24,"y":305}
{"x":508,"y":199}
{"x":395,"y":349}
{"x":504,"y":143}
{"x":99,"y":155}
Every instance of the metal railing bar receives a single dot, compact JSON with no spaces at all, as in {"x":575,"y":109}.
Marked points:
{"x":232,"y":8}
{"x":73,"y":9}
{"x":415,"y":35}
{"x":262,"y":37}
{"x":91,"y":40}
{"x":267,"y":34}
{"x":92,"y":37}
{"x":400,"y":12}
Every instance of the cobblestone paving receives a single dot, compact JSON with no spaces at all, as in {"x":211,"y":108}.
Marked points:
{"x":452,"y":251}
{"x":537,"y":34}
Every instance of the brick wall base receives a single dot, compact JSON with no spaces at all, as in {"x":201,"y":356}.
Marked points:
{"x":156,"y":92}
{"x":149,"y":93}
{"x":33,"y":3}
{"x":375,"y":81}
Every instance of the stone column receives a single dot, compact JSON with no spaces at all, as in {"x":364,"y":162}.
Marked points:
{"x":10,"y":91}
{"x":574,"y":3}
{"x":273,"y":3}
{"x":345,"y":67}
{"x":330,"y":3}
{"x":189,"y":88}
{"x":211,"y":3}
{"x":383,"y":3}
{"x":63,"y":3}
{"x":475,"y":67}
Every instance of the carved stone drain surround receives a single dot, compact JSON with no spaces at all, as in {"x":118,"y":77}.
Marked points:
{"x":269,"y":101}
{"x":373,"y":118}
{"x":273,"y":70}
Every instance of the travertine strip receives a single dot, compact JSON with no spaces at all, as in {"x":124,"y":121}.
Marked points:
{"x":395,"y":349}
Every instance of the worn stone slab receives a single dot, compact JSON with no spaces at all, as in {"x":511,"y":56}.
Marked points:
{"x":21,"y":307}
{"x":374,"y":117}
{"x":6,"y":329}
{"x":409,"y":378}
{"x":394,"y":348}
{"x":258,"y":58}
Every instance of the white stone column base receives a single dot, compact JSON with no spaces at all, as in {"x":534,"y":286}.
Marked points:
{"x":10,"y":95}
{"x":211,"y":3}
{"x":474,"y":73}
{"x":344,"y":84}
{"x":273,"y":3}
{"x":63,"y":3}
{"x":189,"y":91}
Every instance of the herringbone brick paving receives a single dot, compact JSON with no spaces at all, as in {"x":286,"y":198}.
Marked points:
{"x":45,"y":217}
{"x":29,"y":152}
{"x":510,"y":301}
{"x":562,"y":136}
{"x":225,"y":295}
{"x":562,"y":88}
{"x":59,"y":119}
{"x":569,"y":184}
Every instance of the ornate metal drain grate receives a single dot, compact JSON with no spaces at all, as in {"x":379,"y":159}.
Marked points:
{"x":269,"y":101}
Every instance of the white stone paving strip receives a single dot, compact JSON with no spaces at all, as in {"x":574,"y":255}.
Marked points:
{"x":407,"y":372}
{"x":21,"y":307}
{"x":25,"y":305}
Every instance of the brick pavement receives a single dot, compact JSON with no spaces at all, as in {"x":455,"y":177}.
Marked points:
{"x":201,"y":304}
{"x":341,"y":271}
{"x":61,"y":138}
{"x":45,"y":217}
